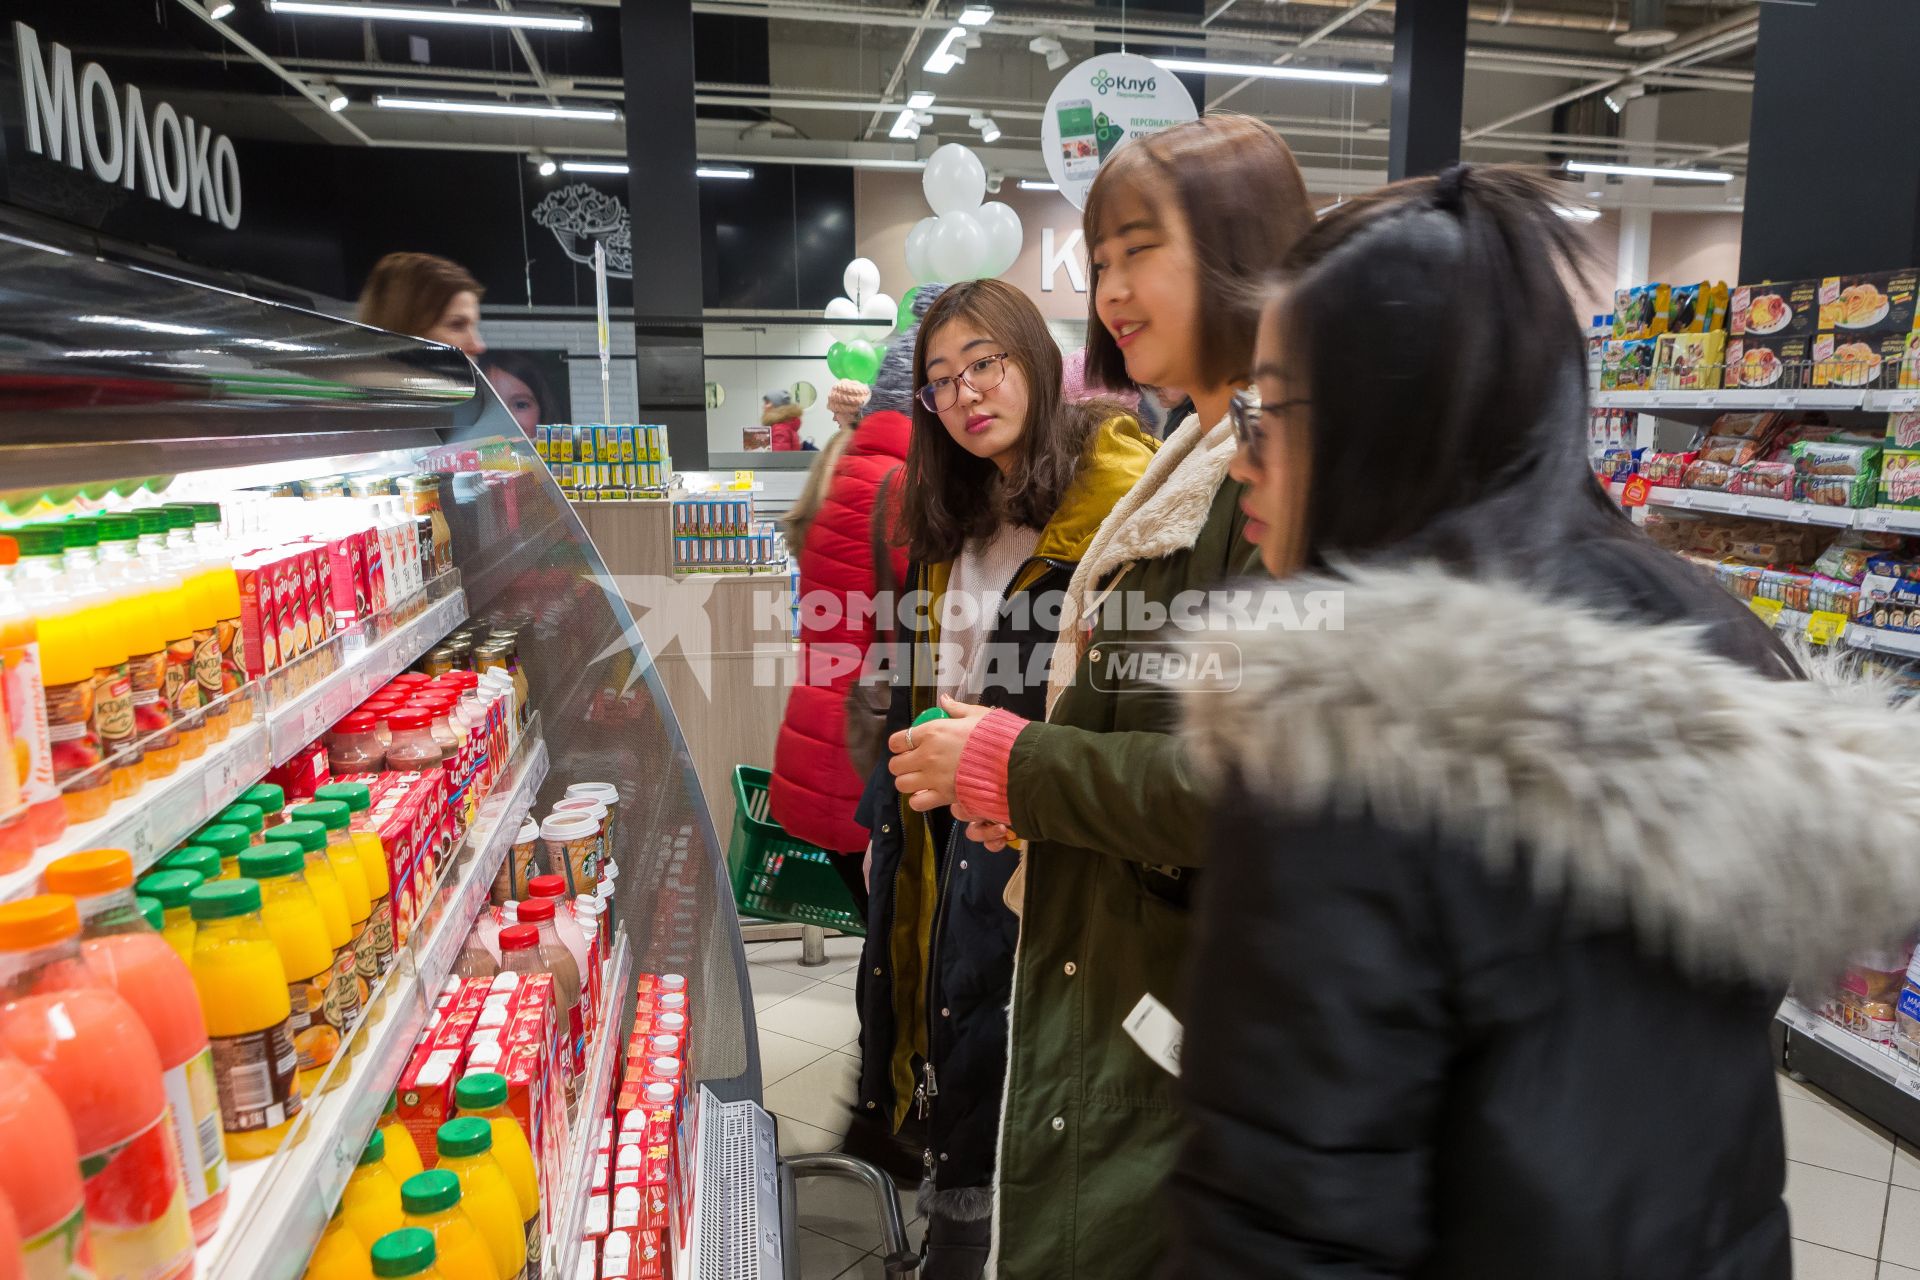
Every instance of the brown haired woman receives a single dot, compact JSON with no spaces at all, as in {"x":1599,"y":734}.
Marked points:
{"x":1005,"y":485}
{"x":424,"y":296}
{"x":1114,"y":821}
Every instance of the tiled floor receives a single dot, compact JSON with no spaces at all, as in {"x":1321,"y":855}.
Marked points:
{"x":809,"y":1059}
{"x":1853,"y":1190}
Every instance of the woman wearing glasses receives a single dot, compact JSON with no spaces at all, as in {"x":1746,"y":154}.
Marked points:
{"x":1006,"y":483}
{"x":1115,"y":824}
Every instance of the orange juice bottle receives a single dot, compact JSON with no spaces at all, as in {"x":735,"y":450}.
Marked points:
{"x":407,"y":1254}
{"x":299,"y":934}
{"x":120,"y":564}
{"x":24,"y":704}
{"x":403,"y":1154}
{"x":66,"y":671}
{"x":199,"y":859}
{"x":197,"y":578}
{"x":107,"y":609}
{"x":466,"y":1151}
{"x":172,"y":889}
{"x":345,"y":860}
{"x":346,"y":997}
{"x":431,"y":1201}
{"x":44,"y":1188}
{"x":243,"y":990}
{"x":222,"y":586}
{"x":127,"y":954}
{"x":371,"y":1202}
{"x":242,"y":814}
{"x":176,"y":620}
{"x":483,"y":1095}
{"x":340,"y":1255}
{"x":373,"y":861}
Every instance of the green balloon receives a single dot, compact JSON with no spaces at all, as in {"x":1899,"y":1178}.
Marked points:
{"x":903,"y":318}
{"x":837,"y":360}
{"x":862,"y":361}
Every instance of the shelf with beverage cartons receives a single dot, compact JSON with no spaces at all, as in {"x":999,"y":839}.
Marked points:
{"x":1880,"y":1059}
{"x":561,"y":1249}
{"x":1760,"y":399}
{"x":278,"y":1206}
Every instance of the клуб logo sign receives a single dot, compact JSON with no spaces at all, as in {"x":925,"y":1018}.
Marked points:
{"x":81,"y":122}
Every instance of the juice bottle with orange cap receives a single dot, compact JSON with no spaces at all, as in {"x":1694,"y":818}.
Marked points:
{"x":121,"y":566}
{"x":431,"y":1201}
{"x":66,"y":671}
{"x":23,"y":702}
{"x":87,"y":1043}
{"x":346,"y":999}
{"x":171,"y":888}
{"x":340,"y":1255}
{"x":371,"y":1202}
{"x":243,"y":989}
{"x":125,"y":952}
{"x":482,"y":1095}
{"x":345,"y":860}
{"x":373,"y":861}
{"x":44,"y":1189}
{"x":299,"y":934}
{"x":403,"y":1154}
{"x":410,"y":1253}
{"x":466,"y":1151}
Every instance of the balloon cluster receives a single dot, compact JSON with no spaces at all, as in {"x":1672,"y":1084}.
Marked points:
{"x":855,"y":355}
{"x":965,"y":239}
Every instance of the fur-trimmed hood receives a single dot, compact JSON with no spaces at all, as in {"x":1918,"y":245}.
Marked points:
{"x":774,"y":414}
{"x":1747,"y":827}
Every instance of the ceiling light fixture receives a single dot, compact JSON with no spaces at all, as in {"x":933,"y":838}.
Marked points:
{"x":949,"y":53}
{"x":389,"y":102}
{"x":1031,"y":184}
{"x":1647,"y":171}
{"x":905,"y":126}
{"x":1573,"y":213}
{"x":1265,"y":71}
{"x":594,"y":166}
{"x":722,"y":171}
{"x":525,"y":20}
{"x":988,"y":127}
{"x":333,"y":96}
{"x":1647,"y":27}
{"x":976,"y":15}
{"x":920,"y":101}
{"x":542,"y":163}
{"x":222,"y":10}
{"x":1050,"y":49}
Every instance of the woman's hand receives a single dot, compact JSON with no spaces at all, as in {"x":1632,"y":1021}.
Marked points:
{"x":993,"y":835}
{"x":924,"y":770}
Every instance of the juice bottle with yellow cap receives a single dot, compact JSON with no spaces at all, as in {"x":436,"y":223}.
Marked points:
{"x":125,"y":952}
{"x":345,"y":998}
{"x":299,"y":934}
{"x":371,"y":1201}
{"x":373,"y":861}
{"x":171,"y":888}
{"x":243,"y":990}
{"x":410,"y":1253}
{"x":431,"y":1201}
{"x":345,"y":860}
{"x":403,"y":1154}
{"x":340,"y":1255}
{"x":65,"y":632}
{"x":482,"y":1095}
{"x":23,"y":701}
{"x":88,"y":1044}
{"x":466,"y":1151}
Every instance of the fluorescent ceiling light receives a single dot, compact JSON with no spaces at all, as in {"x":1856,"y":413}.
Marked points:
{"x":1646,"y":171}
{"x":1029,"y":184}
{"x":920,"y":101}
{"x":465,"y":17}
{"x":949,"y":53}
{"x":905,"y":126}
{"x":976,"y":15}
{"x":1573,"y":213}
{"x":392,"y":103}
{"x":722,"y":171}
{"x":594,"y":166}
{"x":222,"y":10}
{"x":1266,"y":71}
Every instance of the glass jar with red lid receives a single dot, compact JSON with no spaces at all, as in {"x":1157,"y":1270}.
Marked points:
{"x":413,"y":747}
{"x":354,"y":746}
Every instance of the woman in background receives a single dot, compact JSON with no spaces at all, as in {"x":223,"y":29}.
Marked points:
{"x":424,"y":296}
{"x":781,"y":416}
{"x":844,"y":403}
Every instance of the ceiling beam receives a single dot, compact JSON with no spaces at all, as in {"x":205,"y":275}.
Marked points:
{"x":1307,"y":41}
{"x":533,"y":63}
{"x":899,"y":69}
{"x":254,"y":51}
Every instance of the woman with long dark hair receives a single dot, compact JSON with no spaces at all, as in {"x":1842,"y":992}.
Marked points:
{"x":1004,"y":486}
{"x":1513,"y":866}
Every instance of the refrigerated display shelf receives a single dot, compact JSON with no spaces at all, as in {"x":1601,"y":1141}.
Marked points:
{"x":1745,"y":400}
{"x":291,"y":708}
{"x":1880,"y":1059}
{"x":277,"y":1207}
{"x":561,"y":1249}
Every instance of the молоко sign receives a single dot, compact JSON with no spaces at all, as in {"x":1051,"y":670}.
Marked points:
{"x":81,"y":122}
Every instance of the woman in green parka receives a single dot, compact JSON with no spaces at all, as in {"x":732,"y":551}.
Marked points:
{"x":1100,"y":792}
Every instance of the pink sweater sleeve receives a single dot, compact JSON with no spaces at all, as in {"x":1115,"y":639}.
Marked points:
{"x":980,"y":783}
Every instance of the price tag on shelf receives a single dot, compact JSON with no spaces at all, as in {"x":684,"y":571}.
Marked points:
{"x":1768,"y":611}
{"x":1824,"y":627}
{"x":142,"y":838}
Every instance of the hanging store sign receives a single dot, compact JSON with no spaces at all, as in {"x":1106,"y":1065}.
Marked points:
{"x":1099,"y":105}
{"x":77,"y":118}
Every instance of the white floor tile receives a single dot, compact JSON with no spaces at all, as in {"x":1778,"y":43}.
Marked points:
{"x":847,"y":977}
{"x":1823,"y":1132}
{"x":1906,"y":1165}
{"x":867,"y":1268}
{"x":823,"y":1015}
{"x":771,"y":986}
{"x":824,"y":1258}
{"x":841,"y":1208}
{"x":1791,"y":1088}
{"x":1890,"y":1272}
{"x":1835,"y":1209}
{"x":843,"y":956}
{"x":1813,"y":1262}
{"x":821,"y":1094}
{"x":1901,"y":1242}
{"x":781,"y":1056}
{"x":797,"y":1139}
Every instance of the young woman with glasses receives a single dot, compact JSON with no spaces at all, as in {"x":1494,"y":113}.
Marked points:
{"x":1006,"y":483}
{"x":1099,"y":788}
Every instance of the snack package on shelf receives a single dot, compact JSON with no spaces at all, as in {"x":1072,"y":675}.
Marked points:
{"x":1903,"y":430}
{"x":1732,"y":450}
{"x":1641,"y":312}
{"x":1715,"y":477}
{"x":1764,"y":480}
{"x":1874,"y":303}
{"x":1900,"y":478}
{"x":1689,"y":361}
{"x":1666,"y":469}
{"x":1878,"y":360}
{"x":1788,"y":308}
{"x":1865,"y":999}
{"x":1627,"y":365}
{"x":1836,"y":474}
{"x":1784,"y":363}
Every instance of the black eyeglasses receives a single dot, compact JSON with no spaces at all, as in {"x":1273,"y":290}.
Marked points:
{"x":982,"y":375}
{"x":1247,"y":409}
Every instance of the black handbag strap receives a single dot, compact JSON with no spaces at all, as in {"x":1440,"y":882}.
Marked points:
{"x":883,"y":583}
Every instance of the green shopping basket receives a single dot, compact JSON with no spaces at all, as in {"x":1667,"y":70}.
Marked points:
{"x":776,"y":877}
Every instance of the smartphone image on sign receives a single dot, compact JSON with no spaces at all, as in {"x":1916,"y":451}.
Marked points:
{"x":1109,"y":134}
{"x":1079,"y":142}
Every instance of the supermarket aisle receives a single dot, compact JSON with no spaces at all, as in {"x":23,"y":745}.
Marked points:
{"x":1853,"y":1191}
{"x":809,"y":1047}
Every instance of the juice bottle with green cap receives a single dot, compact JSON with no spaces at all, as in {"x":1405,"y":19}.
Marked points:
{"x":373,"y":861}
{"x":431,"y":1201}
{"x":371,"y":1202}
{"x":242,"y":814}
{"x":466,"y":1151}
{"x":269,"y":798}
{"x":121,"y":565}
{"x":410,"y":1253}
{"x":403,"y":1154}
{"x":171,"y":888}
{"x":128,"y":955}
{"x":227,"y":839}
{"x":340,"y":1255}
{"x":197,"y":580}
{"x":243,"y":990}
{"x":346,"y":996}
{"x":299,"y":934}
{"x":482,"y":1095}
{"x":108,"y":604}
{"x":150,"y":911}
{"x":345,"y":860}
{"x":176,"y":619}
{"x":217,"y":557}
{"x":89,"y":1046}
{"x":66,"y":646}
{"x":197,"y":858}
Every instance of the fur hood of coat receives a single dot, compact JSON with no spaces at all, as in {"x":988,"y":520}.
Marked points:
{"x":775,"y":414}
{"x":1746,"y":828}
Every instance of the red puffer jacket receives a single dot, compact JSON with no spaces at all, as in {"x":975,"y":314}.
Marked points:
{"x":815,"y":790}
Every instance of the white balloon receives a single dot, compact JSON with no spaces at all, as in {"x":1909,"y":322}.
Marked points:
{"x":960,"y":247}
{"x":919,"y":265}
{"x":879,"y":307}
{"x":843,"y":320}
{"x":862,"y":280}
{"x":1004,"y":234}
{"x":955,"y":181}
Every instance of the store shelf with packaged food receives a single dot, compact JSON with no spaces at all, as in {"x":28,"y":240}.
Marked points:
{"x":311,"y":437}
{"x":1758,"y":399}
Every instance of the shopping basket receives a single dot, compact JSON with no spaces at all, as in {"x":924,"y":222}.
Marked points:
{"x":776,"y":877}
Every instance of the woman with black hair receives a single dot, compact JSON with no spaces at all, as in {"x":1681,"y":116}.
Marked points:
{"x":1511,"y":867}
